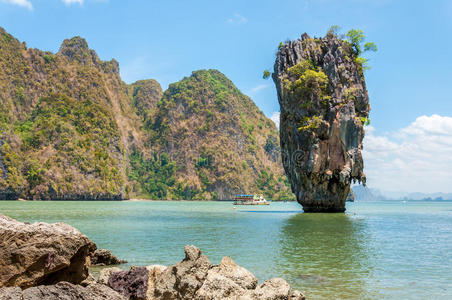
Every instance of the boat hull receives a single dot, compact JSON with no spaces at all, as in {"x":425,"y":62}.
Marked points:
{"x":251,"y":203}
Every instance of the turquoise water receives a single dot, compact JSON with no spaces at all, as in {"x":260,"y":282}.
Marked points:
{"x":381,"y":250}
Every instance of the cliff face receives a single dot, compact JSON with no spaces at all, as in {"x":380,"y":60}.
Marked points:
{"x":221,"y":141}
{"x":324,"y":105}
{"x":70,"y":128}
{"x":66,"y":123}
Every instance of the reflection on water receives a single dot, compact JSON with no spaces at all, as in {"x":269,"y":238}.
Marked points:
{"x":326,"y":254}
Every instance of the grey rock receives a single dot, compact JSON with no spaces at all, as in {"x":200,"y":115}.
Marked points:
{"x":321,"y":161}
{"x":41,"y":253}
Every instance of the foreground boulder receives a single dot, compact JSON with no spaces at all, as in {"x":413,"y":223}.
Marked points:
{"x":324,"y":106}
{"x":42,"y":254}
{"x":196,"y":278}
{"x":62,"y":290}
{"x":104,"y":257}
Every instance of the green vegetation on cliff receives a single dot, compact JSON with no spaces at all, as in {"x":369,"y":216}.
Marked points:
{"x":64,"y":150}
{"x":220,"y":140}
{"x":72,"y":129}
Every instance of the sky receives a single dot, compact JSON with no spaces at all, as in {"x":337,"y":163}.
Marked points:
{"x":409,"y":143}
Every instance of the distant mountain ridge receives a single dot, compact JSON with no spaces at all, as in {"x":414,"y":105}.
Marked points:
{"x":72,"y":129}
{"x":363,"y":193}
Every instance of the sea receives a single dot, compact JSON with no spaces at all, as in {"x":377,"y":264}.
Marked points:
{"x":376,"y":250}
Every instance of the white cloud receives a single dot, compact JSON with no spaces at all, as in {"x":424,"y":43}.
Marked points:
{"x":417,"y":158}
{"x":257,"y":89}
{"x":237,"y":19}
{"x":275,"y":118}
{"x":23,"y":3}
{"x":68,"y":2}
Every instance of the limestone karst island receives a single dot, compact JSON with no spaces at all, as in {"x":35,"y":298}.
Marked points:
{"x":237,"y":150}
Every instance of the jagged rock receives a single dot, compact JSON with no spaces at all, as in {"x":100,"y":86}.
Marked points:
{"x":182,"y":280}
{"x":154,"y":272}
{"x":229,"y":269}
{"x":62,"y":290}
{"x":219,"y":287}
{"x":196,"y":278}
{"x":41,"y":253}
{"x":272,"y":289}
{"x":104,"y":274}
{"x":324,"y":103}
{"x":226,"y":281}
{"x":104,"y":257}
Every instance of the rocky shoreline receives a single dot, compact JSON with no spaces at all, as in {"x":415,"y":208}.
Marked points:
{"x":51,"y":261}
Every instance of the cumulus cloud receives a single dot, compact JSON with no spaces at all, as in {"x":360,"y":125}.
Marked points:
{"x":23,"y":3}
{"x":68,"y":2}
{"x":416,"y":158}
{"x":237,"y":19}
{"x":275,"y":118}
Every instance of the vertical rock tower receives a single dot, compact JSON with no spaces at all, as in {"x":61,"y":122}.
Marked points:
{"x":324,"y":106}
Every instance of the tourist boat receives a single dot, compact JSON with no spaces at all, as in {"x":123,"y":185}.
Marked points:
{"x":250,"y":200}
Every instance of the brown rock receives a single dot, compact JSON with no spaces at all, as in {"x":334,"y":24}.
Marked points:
{"x":196,"y":278}
{"x":229,"y":269}
{"x":226,"y":281}
{"x":296,"y":295}
{"x":104,"y":257}
{"x":272,"y":289}
{"x":216,"y":286}
{"x":154,"y":272}
{"x":182,"y":280}
{"x":42,"y":254}
{"x":62,"y":290}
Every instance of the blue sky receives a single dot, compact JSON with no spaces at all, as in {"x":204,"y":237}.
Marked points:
{"x":166,"y":40}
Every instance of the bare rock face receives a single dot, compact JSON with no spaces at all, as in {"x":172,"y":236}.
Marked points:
{"x":104,"y":257}
{"x":324,"y":105}
{"x":62,"y":290}
{"x":42,"y":254}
